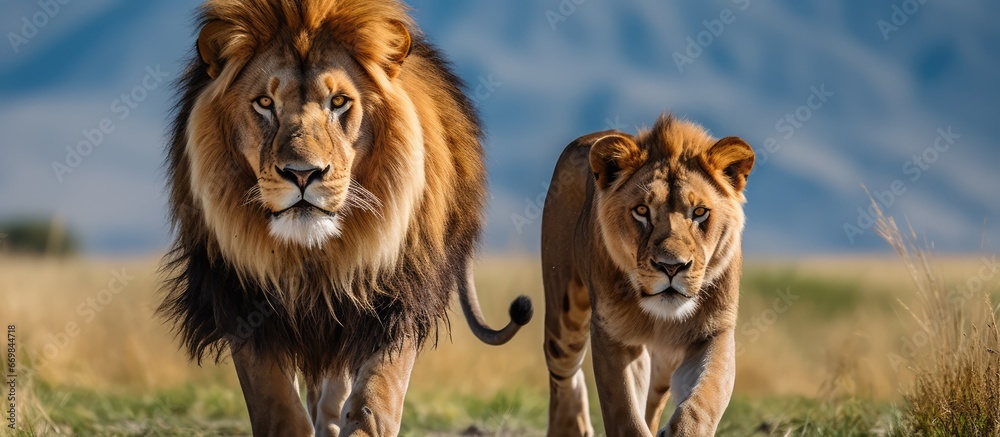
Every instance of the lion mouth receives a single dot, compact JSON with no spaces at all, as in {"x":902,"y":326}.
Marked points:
{"x":669,"y":292}
{"x":302,"y":206}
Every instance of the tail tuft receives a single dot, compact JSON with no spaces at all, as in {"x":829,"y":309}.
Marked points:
{"x":521,"y":310}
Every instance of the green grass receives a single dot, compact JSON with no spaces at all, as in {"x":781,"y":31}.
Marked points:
{"x":825,"y":297}
{"x":189,"y":410}
{"x":214,"y":409}
{"x":520,"y":412}
{"x":809,"y":417}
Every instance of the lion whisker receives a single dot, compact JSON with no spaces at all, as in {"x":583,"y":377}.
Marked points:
{"x":353,"y":203}
{"x":253,"y":195}
{"x":361,"y":198}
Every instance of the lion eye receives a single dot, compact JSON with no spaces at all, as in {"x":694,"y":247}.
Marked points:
{"x":641,"y":214}
{"x":264,"y":106}
{"x":700,"y":214}
{"x":339,"y":104}
{"x":265,"y":102}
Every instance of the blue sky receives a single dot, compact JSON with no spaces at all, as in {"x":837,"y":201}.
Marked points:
{"x":559,"y":70}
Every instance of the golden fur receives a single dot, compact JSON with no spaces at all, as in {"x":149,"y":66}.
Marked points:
{"x":651,"y":277}
{"x":327,"y":186}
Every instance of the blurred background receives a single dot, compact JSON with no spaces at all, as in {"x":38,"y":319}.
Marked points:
{"x":896,"y":96}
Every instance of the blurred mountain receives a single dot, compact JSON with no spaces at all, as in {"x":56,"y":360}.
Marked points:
{"x":884,"y":79}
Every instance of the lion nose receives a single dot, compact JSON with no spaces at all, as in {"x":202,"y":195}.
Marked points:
{"x":671,"y":269}
{"x":302,"y":177}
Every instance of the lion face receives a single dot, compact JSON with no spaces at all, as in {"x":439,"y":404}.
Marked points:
{"x":288,"y":120}
{"x":670,"y":210}
{"x":302,"y":130}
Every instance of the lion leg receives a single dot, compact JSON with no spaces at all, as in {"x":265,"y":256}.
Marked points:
{"x":618,"y":388}
{"x":703,"y":385}
{"x":272,"y":399}
{"x":328,"y":404}
{"x":640,"y":370}
{"x":567,"y":323}
{"x":662,"y":367}
{"x":375,"y":405}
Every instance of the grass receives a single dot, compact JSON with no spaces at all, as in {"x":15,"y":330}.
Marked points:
{"x":825,"y":365}
{"x":956,"y":390}
{"x":829,"y":298}
{"x":211,"y":409}
{"x":218,"y":410}
{"x":806,"y":416}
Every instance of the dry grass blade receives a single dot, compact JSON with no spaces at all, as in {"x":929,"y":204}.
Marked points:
{"x":956,"y":389}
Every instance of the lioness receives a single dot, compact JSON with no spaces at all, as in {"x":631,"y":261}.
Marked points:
{"x":641,"y":251}
{"x":327,"y":189}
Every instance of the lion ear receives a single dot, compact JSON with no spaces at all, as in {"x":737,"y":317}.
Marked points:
{"x":210,"y":46}
{"x":614,"y":155}
{"x":732,"y":159}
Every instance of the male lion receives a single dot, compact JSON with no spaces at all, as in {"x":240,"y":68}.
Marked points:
{"x":641,"y":250}
{"x":326,"y":187}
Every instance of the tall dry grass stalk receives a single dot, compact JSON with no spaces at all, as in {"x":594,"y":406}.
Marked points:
{"x":956,"y":386}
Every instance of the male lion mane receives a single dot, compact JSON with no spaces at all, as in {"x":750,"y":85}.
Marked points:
{"x":308,"y":309}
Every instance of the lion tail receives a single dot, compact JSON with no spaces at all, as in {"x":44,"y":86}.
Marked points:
{"x":520,"y":314}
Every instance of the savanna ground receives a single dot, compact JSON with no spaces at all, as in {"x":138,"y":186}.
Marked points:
{"x":826,"y":348}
